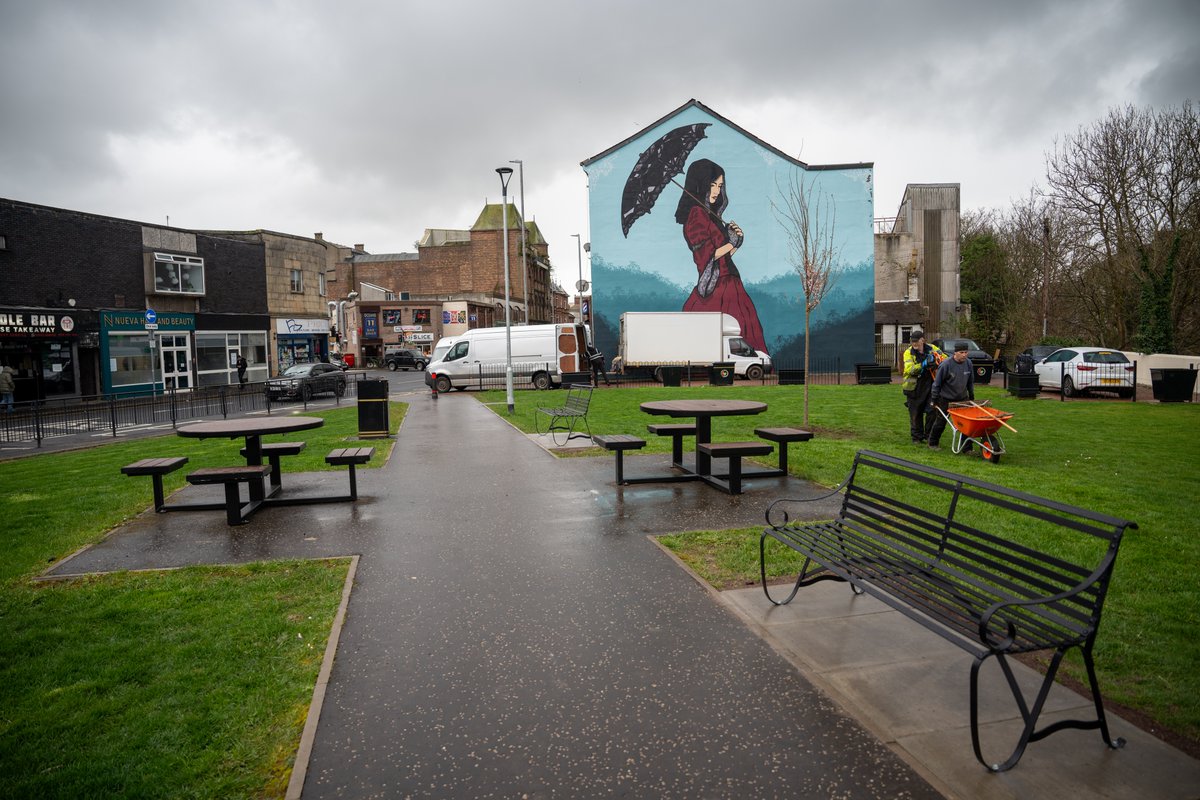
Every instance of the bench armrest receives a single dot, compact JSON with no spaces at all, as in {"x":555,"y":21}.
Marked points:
{"x":999,"y":644}
{"x":781,"y":516}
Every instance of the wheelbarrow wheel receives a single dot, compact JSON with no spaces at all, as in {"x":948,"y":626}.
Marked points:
{"x":989,"y":450}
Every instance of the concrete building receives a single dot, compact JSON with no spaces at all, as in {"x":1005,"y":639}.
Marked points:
{"x":917,"y":268}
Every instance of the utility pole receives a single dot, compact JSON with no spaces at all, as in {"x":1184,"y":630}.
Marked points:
{"x":524,"y":258}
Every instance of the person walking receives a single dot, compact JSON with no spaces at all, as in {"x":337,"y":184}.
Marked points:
{"x":596,"y":361}
{"x":241,"y":370}
{"x":7,"y":387}
{"x":954,"y":382}
{"x":920,"y":362}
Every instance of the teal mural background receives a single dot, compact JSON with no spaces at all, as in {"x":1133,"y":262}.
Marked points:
{"x":653,"y":270}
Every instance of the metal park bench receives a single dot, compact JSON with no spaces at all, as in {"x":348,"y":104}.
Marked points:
{"x":568,"y":416}
{"x":968,"y":560}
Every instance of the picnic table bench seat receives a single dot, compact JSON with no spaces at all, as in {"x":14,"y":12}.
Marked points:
{"x":350,"y":457}
{"x":676,"y":430}
{"x":619,"y":442}
{"x":230,"y":477}
{"x":273,"y":451}
{"x":568,"y":416}
{"x":992,"y":570}
{"x":782,"y":437}
{"x":155,"y":468}
{"x":735,"y":452}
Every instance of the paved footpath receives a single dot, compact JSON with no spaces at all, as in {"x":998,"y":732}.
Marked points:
{"x":513,"y":632}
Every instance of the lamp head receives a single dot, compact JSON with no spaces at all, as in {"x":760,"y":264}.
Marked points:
{"x":352,"y":296}
{"x":505,"y":174}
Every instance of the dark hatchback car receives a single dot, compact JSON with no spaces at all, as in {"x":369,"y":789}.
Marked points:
{"x":405,"y":359}
{"x":980,"y":360}
{"x":306,"y":380}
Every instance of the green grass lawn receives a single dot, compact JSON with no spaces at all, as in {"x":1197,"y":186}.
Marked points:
{"x":192,"y":682}
{"x":1133,"y":460}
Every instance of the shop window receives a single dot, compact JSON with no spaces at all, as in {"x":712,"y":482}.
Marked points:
{"x":297,"y":280}
{"x":175,"y":274}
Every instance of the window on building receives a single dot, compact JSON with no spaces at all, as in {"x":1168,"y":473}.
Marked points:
{"x":297,"y":280}
{"x":420,"y":316}
{"x":175,"y":274}
{"x":321,"y":285}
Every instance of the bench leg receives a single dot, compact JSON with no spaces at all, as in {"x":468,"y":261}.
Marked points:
{"x":275,"y":471}
{"x":159,"y":501}
{"x":620,"y":467}
{"x":735,"y":475}
{"x":233,"y":504}
{"x":353,"y":484}
{"x":677,"y":451}
{"x":783,"y":448}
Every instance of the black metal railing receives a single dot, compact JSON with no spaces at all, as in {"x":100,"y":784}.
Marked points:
{"x":113,"y":413}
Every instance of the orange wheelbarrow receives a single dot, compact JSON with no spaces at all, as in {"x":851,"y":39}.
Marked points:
{"x":976,"y":423}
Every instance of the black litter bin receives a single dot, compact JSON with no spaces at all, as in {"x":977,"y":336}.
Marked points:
{"x":872,"y":373}
{"x":671,"y":376}
{"x":1022,"y":384}
{"x":721,"y":374}
{"x":372,"y":408}
{"x":1173,"y":385}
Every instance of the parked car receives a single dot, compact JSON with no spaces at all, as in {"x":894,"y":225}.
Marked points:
{"x":306,"y":380}
{"x":1085,"y":369}
{"x":339,"y":362}
{"x":980,"y":360}
{"x":405,"y":359}
{"x":1039,"y":351}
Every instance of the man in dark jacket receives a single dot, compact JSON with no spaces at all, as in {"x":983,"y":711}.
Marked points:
{"x":954,"y":382}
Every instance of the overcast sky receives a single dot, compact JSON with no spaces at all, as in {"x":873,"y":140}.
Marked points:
{"x":371,"y":121}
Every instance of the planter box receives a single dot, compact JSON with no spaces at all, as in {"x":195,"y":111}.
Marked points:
{"x":1173,"y":385}
{"x":872,"y":373}
{"x":1021,"y":384}
{"x":791,"y":377}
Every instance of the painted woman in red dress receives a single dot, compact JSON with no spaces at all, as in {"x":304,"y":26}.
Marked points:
{"x":713,"y":243}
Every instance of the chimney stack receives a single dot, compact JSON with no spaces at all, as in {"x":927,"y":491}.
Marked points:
{"x":320,"y":237}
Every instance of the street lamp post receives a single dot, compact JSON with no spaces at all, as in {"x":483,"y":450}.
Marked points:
{"x":524,"y":258}
{"x":580,"y":286}
{"x":505,"y":174}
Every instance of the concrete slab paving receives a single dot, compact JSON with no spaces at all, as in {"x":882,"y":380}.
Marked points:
{"x":910,"y":687}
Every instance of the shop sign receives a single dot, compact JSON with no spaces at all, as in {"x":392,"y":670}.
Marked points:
{"x":370,"y":326}
{"x":420,"y":337}
{"x":301,"y":327}
{"x":136,"y":321}
{"x":35,"y":323}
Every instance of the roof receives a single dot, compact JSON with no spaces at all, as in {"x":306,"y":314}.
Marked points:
{"x":697,"y":104}
{"x":492,"y":218}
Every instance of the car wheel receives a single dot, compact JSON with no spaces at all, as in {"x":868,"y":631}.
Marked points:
{"x":340,"y":388}
{"x":307,"y":392}
{"x":442,"y":383}
{"x":1068,"y":387}
{"x":392,"y":366}
{"x":419,"y":366}
{"x":754,"y":372}
{"x":658,"y":374}
{"x":542,"y":380}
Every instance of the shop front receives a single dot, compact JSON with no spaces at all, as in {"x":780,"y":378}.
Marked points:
{"x":141,"y":357}
{"x":301,"y":340}
{"x":41,"y":347}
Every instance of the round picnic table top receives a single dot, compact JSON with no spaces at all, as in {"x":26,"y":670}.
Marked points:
{"x":249,"y":426}
{"x":703,"y":408}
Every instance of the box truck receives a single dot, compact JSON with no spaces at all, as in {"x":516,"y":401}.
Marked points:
{"x":651,"y":340}
{"x":540,"y":355}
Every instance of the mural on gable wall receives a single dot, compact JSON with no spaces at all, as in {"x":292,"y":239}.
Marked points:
{"x":682,"y":219}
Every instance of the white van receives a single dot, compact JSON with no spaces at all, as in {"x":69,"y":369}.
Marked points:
{"x":540,"y":355}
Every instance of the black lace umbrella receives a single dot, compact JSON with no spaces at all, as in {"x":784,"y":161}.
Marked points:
{"x":655,"y":168}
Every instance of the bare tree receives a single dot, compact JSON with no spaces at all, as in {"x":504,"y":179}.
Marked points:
{"x":809,"y":219}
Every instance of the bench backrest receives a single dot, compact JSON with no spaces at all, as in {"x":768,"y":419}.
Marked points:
{"x":993,"y":543}
{"x":579,"y":396}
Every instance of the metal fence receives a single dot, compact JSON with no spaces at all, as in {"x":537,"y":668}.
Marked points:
{"x":37,"y":421}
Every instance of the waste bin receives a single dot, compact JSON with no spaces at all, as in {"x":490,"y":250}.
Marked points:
{"x":1021,"y":384}
{"x":871,"y":373}
{"x":791,"y":377}
{"x":721,"y":374}
{"x":671,"y":376}
{"x":1173,"y":385}
{"x":372,"y":408}
{"x":349,"y":359}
